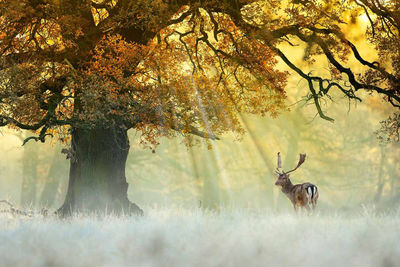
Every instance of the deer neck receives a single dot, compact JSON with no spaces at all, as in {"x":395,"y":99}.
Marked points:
{"x":287,"y":187}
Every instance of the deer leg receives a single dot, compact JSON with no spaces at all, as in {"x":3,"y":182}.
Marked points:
{"x":314,"y":204}
{"x":307,"y":207}
{"x":295,"y":207}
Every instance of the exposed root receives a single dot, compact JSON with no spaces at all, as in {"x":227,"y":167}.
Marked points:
{"x":134,"y":209}
{"x":126,"y":209}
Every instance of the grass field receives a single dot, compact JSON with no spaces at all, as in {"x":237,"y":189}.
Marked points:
{"x":179,"y":237}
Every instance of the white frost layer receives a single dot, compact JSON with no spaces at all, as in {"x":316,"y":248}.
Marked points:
{"x":193,"y":238}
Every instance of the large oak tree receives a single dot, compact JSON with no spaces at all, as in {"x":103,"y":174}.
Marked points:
{"x":88,"y":71}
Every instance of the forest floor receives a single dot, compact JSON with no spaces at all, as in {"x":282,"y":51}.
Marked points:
{"x":179,"y":237}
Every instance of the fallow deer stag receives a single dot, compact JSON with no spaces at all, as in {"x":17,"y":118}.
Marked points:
{"x":301,"y":195}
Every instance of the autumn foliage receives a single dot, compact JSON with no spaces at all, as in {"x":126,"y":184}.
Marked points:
{"x":164,"y":67}
{"x":83,"y":67}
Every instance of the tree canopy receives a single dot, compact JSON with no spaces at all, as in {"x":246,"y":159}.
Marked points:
{"x":182,"y":66}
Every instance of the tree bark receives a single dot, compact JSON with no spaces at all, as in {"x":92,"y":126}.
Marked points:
{"x":97,"y":182}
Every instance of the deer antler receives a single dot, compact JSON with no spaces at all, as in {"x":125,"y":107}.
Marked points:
{"x":301,"y":161}
{"x":279,"y":160}
{"x":279,"y":164}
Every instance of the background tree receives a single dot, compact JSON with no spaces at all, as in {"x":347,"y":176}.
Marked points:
{"x":57,"y":171}
{"x":30,"y":175}
{"x":29,"y":160}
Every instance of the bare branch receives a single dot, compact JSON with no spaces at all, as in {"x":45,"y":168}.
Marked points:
{"x":194,"y":131}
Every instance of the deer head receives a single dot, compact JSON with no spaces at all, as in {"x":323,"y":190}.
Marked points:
{"x":283,"y":177}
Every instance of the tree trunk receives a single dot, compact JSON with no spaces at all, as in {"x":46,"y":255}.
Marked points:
{"x":55,"y":175}
{"x":381,"y":181}
{"x":210,"y":173}
{"x":97,"y":181}
{"x":29,"y":174}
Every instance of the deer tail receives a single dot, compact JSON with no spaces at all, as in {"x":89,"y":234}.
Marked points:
{"x":312,"y":192}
